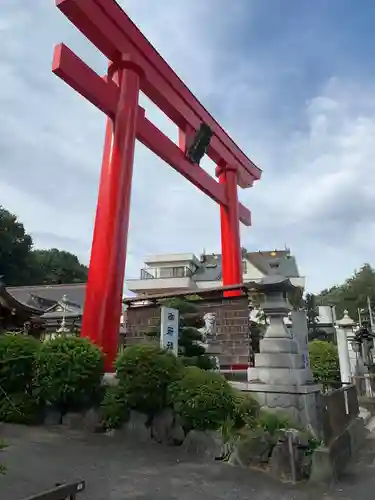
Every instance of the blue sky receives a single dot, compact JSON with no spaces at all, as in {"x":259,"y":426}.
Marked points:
{"x":293,"y":81}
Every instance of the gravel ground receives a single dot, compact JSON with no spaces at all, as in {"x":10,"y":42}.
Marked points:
{"x":117,"y":469}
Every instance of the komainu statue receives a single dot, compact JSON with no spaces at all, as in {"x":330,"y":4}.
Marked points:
{"x":208,"y":332}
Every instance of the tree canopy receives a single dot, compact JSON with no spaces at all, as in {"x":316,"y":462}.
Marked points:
{"x":21,"y":264}
{"x":351,"y":295}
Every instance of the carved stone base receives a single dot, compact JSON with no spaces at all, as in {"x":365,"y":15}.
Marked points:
{"x":299,"y":403}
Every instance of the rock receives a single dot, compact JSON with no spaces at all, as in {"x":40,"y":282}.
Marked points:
{"x":176,"y":434}
{"x":206,"y":444}
{"x":136,"y":427}
{"x":52,"y":417}
{"x":92,"y":420}
{"x":289,"y":463}
{"x":252,"y":449}
{"x":73,"y":420}
{"x":162,"y":425}
{"x":166,"y":428}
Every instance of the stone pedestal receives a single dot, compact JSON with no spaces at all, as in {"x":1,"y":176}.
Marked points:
{"x":213,"y":349}
{"x":281,"y":379}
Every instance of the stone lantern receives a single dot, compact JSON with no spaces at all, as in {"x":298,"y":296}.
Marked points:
{"x":343,"y":332}
{"x":281,"y":379}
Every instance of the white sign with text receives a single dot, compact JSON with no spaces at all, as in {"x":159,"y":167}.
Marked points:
{"x":169,"y":324}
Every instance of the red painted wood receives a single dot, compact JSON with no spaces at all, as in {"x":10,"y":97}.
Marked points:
{"x":104,"y":291}
{"x":165,"y":149}
{"x":105,"y":24}
{"x":114,"y":34}
{"x":104,"y":95}
{"x":78,"y":75}
{"x":230,"y":233}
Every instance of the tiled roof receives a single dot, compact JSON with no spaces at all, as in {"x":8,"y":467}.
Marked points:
{"x":284,"y":263}
{"x":28,"y":294}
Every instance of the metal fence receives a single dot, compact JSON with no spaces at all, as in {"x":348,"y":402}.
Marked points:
{"x":339,"y":407}
{"x":61,"y":492}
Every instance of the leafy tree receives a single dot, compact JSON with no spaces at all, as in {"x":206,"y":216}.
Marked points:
{"x":189,"y":337}
{"x":351,"y":295}
{"x":55,"y":267}
{"x":21,"y":265}
{"x":15,"y":247}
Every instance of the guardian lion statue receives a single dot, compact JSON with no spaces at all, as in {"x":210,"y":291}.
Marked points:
{"x":208,"y":332}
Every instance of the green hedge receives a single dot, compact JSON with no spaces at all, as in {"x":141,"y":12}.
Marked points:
{"x":69,"y":372}
{"x":324,"y":361}
{"x":21,"y":408}
{"x":204,"y":400}
{"x":144,"y":373}
{"x":17,"y":363}
{"x":246,"y":409}
{"x":114,"y":407}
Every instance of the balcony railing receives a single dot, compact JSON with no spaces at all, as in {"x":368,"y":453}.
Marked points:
{"x":166,"y":272}
{"x":145,"y":275}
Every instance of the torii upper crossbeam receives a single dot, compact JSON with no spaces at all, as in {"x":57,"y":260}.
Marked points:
{"x":134,"y":66}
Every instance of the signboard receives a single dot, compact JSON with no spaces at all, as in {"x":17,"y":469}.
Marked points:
{"x":169,"y":324}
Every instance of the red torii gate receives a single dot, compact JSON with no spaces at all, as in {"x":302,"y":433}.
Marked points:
{"x":134,"y":66}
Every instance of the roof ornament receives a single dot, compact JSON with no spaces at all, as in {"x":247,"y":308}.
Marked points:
{"x":63,"y":328}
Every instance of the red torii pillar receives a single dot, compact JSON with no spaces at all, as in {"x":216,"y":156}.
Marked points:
{"x":137,"y":66}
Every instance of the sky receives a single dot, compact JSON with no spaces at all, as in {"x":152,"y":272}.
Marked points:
{"x":293,"y":83}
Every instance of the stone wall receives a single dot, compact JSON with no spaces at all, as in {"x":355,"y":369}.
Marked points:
{"x":232,"y":326}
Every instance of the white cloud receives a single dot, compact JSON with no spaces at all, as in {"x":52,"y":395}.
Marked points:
{"x":316,"y":194}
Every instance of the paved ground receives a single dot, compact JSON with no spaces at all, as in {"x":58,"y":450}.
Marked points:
{"x":37,"y":458}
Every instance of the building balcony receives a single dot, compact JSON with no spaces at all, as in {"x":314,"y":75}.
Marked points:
{"x":165,"y":272}
{"x":163,"y":279}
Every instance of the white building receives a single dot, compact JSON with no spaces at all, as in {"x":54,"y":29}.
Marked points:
{"x":187,"y":272}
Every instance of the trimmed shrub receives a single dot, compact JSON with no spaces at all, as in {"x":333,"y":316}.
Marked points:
{"x":20,"y":408}
{"x":324,"y":361}
{"x":204,"y":400}
{"x":69,"y":372}
{"x":144,"y":372}
{"x":246,"y":409}
{"x":17,"y":363}
{"x":114,"y":408}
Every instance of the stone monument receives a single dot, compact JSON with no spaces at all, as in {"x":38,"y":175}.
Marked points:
{"x":281,"y":379}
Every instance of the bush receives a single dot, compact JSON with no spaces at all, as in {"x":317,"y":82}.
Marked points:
{"x":246,"y":410}
{"x":69,"y":372}
{"x":144,"y":372}
{"x":272,"y":422}
{"x":324,"y":361}
{"x":17,"y":362}
{"x":114,"y":408}
{"x":204,"y":400}
{"x":20,"y":408}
